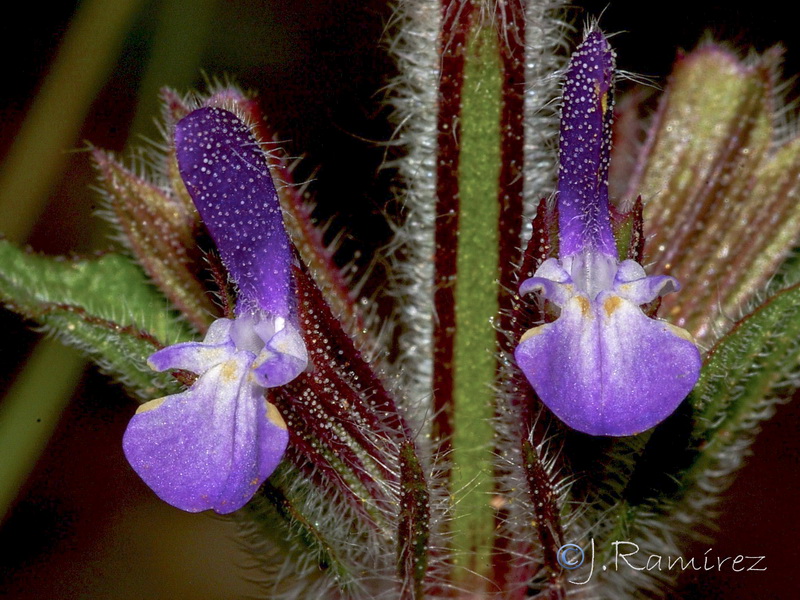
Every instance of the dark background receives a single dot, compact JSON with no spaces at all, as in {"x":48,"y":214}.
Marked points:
{"x":84,"y":526}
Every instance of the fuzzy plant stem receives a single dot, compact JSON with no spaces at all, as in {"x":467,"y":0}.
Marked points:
{"x":478,"y":136}
{"x":414,"y":99}
{"x":477,"y":231}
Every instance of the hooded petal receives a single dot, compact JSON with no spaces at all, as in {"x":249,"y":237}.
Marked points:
{"x":212,"y":446}
{"x":284,"y":355}
{"x":604,"y":368}
{"x":277,"y":344}
{"x":227,"y":176}
{"x":632,"y":283}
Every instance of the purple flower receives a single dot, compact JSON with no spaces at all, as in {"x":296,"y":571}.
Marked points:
{"x":213,"y":445}
{"x":603,"y":367}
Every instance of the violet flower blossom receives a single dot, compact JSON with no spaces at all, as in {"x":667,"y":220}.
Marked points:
{"x":603,"y":367}
{"x":213,"y":445}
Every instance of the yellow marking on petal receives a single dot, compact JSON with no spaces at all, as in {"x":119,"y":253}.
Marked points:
{"x":150,"y":405}
{"x":681,"y":333}
{"x":214,"y":354}
{"x":611,"y":304}
{"x":228,"y":373}
{"x":275,"y":417}
{"x":586,"y":306}
{"x":531,"y":333}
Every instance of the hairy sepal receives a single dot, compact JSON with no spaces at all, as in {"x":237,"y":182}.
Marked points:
{"x":159,"y":229}
{"x":719,"y":186}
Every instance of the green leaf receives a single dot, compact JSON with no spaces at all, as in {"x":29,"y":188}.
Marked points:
{"x":745,"y":371}
{"x":103,"y":306}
